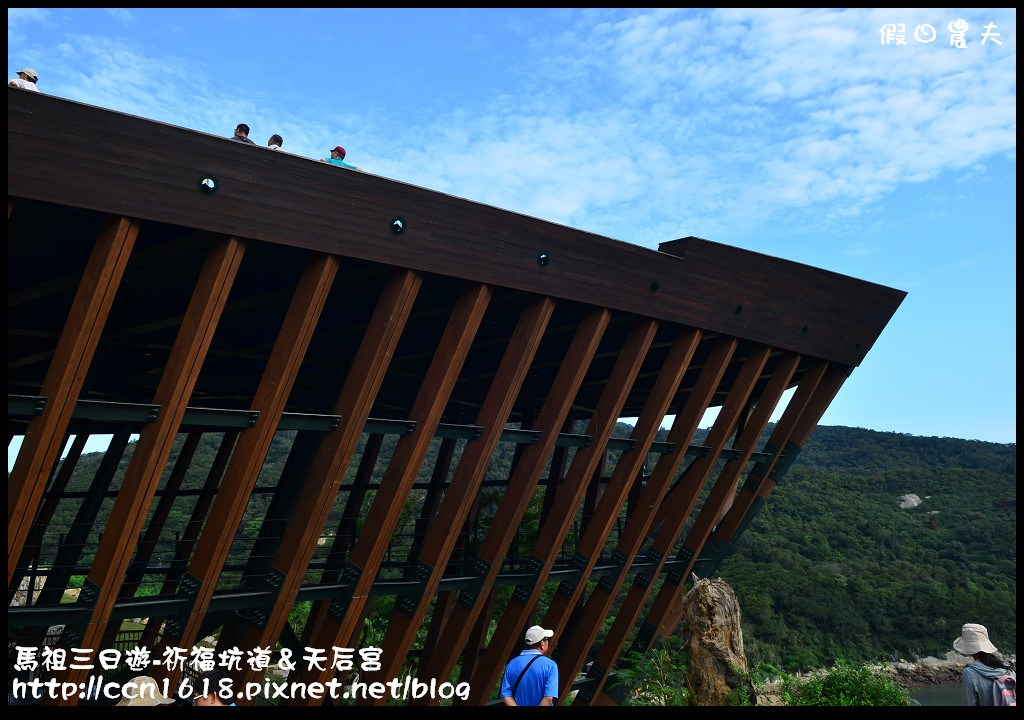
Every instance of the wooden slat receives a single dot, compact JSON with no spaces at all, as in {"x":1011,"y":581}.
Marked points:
{"x":403,"y":468}
{"x":519,"y":489}
{"x":624,"y":478}
{"x":680,"y":505}
{"x":44,"y":435}
{"x":443,"y":533}
{"x":156,"y":439}
{"x":517,"y":615}
{"x":572,"y":651}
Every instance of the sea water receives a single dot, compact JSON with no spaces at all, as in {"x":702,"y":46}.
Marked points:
{"x":950,"y":693}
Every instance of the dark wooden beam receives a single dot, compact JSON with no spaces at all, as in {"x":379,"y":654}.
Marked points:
{"x":44,"y":436}
{"x":572,"y":651}
{"x":155,"y":441}
{"x":443,"y":533}
{"x":341,"y":628}
{"x":517,"y":615}
{"x":680,"y":506}
{"x":519,"y":490}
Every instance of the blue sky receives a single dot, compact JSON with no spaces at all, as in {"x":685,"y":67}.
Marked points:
{"x":795,"y":133}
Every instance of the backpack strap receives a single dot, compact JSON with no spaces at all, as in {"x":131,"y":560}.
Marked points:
{"x":516,"y":686}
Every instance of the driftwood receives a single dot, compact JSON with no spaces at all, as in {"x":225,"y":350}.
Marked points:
{"x":717,"y":665}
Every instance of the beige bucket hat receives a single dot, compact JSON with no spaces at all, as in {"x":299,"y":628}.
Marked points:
{"x":973,"y":639}
{"x":143,"y":691}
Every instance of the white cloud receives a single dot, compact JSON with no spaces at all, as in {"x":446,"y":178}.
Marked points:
{"x":123,"y":15}
{"x":698,"y":122}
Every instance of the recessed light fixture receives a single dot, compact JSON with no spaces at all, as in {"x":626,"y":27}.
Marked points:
{"x":208,"y":184}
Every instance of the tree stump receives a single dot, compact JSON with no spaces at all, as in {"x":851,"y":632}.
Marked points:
{"x":717,"y":666}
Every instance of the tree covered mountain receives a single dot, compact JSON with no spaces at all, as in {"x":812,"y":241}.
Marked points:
{"x":832,"y":567}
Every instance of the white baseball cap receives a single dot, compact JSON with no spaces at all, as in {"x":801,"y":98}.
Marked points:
{"x":536,"y":633}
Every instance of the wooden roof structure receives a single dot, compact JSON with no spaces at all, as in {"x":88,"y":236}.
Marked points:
{"x":170,"y":284}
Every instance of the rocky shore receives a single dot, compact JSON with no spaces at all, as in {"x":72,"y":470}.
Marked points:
{"x":933,"y":670}
{"x":906,"y":674}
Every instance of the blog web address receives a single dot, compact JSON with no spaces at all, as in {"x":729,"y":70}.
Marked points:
{"x":395,"y":688}
{"x":407,"y":688}
{"x":30,"y":660}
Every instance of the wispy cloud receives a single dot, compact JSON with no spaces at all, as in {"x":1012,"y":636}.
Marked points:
{"x":657,"y":123}
{"x":123,"y":15}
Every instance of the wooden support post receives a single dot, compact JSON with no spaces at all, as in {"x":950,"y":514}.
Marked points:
{"x":680,"y":504}
{"x":163,"y":509}
{"x":37,"y":535}
{"x":518,"y":491}
{"x":75,"y":539}
{"x":625,"y":479}
{"x":154,"y":445}
{"x":344,"y":536}
{"x":341,"y":626}
{"x":282,"y":503}
{"x":432,"y":501}
{"x":556,"y":473}
{"x":477,"y":641}
{"x":593,"y":492}
{"x":571,"y":652}
{"x":136,"y":571}
{"x":185,"y":545}
{"x":443,"y":604}
{"x":44,"y":436}
{"x":517,"y":615}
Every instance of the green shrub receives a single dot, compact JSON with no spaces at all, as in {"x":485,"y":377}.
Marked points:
{"x":657,"y":677}
{"x":844,"y":684}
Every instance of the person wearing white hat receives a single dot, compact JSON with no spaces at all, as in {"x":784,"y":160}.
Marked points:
{"x":531,"y":678}
{"x":143,"y":691}
{"x":979,"y":677}
{"x":26,"y":80}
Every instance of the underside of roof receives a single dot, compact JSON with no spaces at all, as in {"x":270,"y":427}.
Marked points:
{"x":167,"y":284}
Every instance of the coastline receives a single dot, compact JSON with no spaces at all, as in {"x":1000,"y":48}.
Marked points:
{"x":933,"y":670}
{"x":910,"y":675}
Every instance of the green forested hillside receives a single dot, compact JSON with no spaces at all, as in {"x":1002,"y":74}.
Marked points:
{"x":830,"y":568}
{"x":833,"y":567}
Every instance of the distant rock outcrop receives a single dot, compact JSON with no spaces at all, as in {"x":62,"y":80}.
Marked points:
{"x":909,"y":501}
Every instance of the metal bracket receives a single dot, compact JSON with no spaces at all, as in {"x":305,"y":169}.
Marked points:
{"x":522,"y":592}
{"x":468,"y":596}
{"x":789,"y":454}
{"x":349,"y":576}
{"x":577,"y":564}
{"x":420,"y":572}
{"x":259,"y":616}
{"x":188,"y":589}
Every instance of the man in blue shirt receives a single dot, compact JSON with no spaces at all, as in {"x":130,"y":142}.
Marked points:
{"x":530,"y":677}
